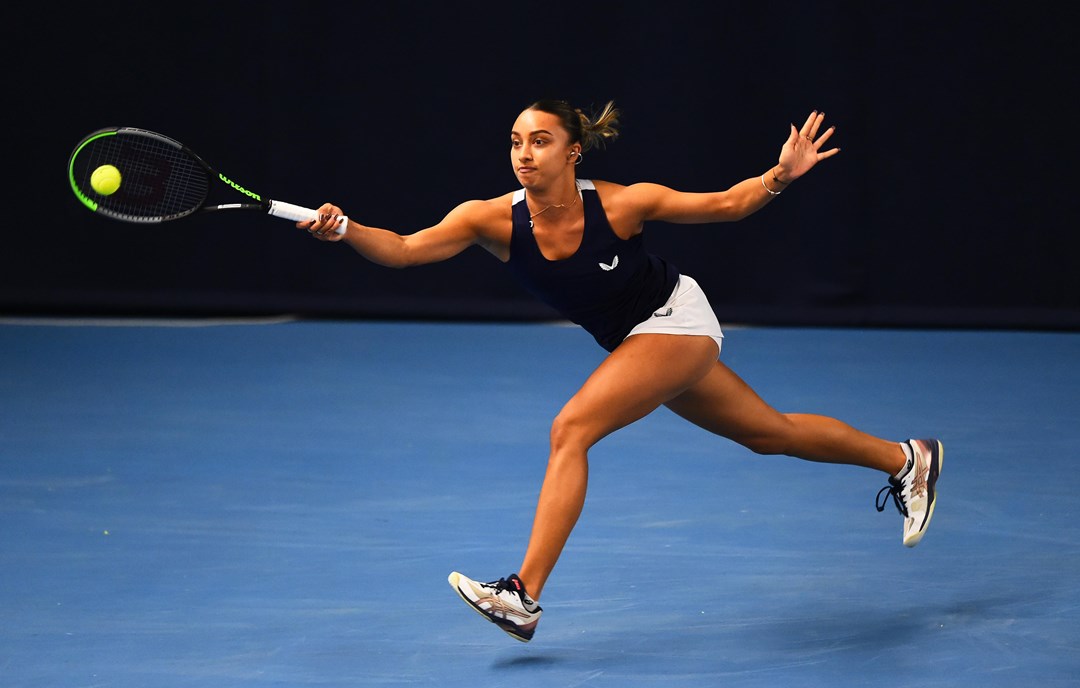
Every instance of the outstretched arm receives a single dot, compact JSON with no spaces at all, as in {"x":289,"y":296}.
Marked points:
{"x":798,"y":155}
{"x":462,"y":227}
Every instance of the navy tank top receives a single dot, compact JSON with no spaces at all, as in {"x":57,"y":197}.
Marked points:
{"x":607,"y":286}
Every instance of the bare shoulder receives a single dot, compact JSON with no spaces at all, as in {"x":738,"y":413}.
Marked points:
{"x":489,"y":220}
{"x":638,"y":195}
{"x":608,"y":189}
{"x":480,"y":212}
{"x":628,"y":206}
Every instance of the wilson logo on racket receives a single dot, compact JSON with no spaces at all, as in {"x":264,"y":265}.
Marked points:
{"x":614,"y":264}
{"x":239,"y":188}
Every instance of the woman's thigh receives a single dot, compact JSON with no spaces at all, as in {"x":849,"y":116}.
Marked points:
{"x":722,"y":403}
{"x":644,"y":372}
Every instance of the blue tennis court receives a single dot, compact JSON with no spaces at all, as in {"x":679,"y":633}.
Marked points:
{"x":278,"y":503}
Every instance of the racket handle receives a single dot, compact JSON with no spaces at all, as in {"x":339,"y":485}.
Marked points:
{"x":298,"y":213}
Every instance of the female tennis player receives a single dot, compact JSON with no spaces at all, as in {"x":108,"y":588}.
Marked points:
{"x":577,"y":245}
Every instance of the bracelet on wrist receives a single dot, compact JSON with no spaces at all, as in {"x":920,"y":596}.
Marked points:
{"x":771,"y":192}
{"x":775,"y":179}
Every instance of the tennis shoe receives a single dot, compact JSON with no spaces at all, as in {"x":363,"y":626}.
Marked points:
{"x":503,"y":602}
{"x":915,"y":493}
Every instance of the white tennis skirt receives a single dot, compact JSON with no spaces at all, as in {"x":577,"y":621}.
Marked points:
{"x":687,"y":311}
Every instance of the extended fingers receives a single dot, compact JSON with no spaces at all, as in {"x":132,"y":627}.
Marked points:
{"x":810,"y":130}
{"x":819,"y":141}
{"x":813,"y":123}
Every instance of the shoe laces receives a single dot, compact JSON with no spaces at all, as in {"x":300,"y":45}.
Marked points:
{"x":516,"y":589}
{"x":895,"y":488}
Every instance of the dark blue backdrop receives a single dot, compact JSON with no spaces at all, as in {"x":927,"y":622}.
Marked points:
{"x":950,"y":204}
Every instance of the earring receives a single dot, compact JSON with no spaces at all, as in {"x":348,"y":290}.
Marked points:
{"x":580,"y":157}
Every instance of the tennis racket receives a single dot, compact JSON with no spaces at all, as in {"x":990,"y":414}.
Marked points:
{"x":159,"y":179}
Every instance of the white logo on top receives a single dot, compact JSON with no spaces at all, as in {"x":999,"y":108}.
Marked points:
{"x":614,"y":264}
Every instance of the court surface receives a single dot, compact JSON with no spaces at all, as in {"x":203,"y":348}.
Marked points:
{"x":279,"y":504}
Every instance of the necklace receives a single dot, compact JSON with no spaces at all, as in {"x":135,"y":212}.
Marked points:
{"x":558,"y":205}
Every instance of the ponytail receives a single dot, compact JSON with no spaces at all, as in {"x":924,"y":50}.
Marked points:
{"x":590,"y":131}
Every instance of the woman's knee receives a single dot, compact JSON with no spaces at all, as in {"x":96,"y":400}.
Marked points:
{"x":568,"y":430}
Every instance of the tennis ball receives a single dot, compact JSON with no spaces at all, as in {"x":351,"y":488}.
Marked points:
{"x":105,"y":180}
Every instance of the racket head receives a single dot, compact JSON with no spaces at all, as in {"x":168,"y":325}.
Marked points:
{"x":160,"y":178}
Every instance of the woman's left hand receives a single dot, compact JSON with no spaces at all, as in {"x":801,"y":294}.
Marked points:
{"x":802,"y":150}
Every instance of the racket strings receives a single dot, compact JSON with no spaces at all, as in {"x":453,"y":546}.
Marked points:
{"x":159,"y":180}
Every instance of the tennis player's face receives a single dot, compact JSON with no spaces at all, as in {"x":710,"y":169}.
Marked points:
{"x":539,"y":148}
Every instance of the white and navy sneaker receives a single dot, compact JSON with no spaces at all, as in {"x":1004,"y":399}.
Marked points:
{"x":504,"y":603}
{"x":915,"y":492}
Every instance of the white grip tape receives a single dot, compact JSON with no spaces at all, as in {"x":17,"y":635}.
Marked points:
{"x":298,"y":213}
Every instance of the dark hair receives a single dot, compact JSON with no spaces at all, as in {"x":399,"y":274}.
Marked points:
{"x":589,"y":131}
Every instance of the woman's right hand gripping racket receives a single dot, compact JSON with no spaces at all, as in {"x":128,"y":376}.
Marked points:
{"x":135,"y":175}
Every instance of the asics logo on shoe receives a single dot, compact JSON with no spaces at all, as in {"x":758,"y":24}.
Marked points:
{"x":502,"y":608}
{"x":918,"y":485}
{"x":614,"y":264}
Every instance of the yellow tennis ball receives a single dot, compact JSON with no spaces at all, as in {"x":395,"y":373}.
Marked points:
{"x":105,"y":180}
